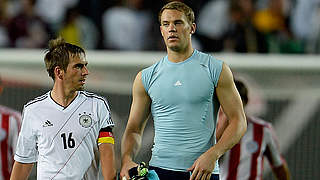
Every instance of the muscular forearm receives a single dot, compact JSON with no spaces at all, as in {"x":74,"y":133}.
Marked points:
{"x":230,"y":136}
{"x":21,"y":171}
{"x":131,"y":143}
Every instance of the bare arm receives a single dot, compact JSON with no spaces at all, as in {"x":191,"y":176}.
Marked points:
{"x":231,"y":104}
{"x":21,"y":171}
{"x":107,"y":159}
{"x":282,"y":172}
{"x":139,"y":113}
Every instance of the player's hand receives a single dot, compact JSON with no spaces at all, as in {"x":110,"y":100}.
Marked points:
{"x":203,"y":167}
{"x":125,"y":169}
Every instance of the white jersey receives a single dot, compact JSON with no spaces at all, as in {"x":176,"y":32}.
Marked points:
{"x":63,"y":141}
{"x":10,"y":125}
{"x":245,"y":160}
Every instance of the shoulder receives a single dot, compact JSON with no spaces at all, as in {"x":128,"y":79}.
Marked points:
{"x":36,"y":101}
{"x":259,"y":122}
{"x":94,"y":97}
{"x":214,"y":66}
{"x":146,"y":75}
{"x":153,"y":67}
{"x":207,"y":58}
{"x":10,"y":111}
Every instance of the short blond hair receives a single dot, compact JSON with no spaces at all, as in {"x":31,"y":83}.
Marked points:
{"x":179,"y":6}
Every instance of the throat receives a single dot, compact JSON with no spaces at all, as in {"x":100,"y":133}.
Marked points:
{"x":62,"y":99}
{"x":177,"y":57}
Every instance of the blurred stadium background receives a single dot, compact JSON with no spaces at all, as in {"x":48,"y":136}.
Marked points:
{"x":275,"y":45}
{"x":284,"y":90}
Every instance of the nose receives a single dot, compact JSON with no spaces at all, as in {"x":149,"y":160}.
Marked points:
{"x":172,"y":27}
{"x":85,"y":70}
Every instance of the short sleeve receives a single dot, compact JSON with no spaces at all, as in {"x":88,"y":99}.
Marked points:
{"x":104,"y":114}
{"x":26,"y":150}
{"x":15,"y":123}
{"x":275,"y":158}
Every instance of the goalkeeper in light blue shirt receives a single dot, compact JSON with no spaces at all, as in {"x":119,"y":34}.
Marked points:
{"x":183,"y":92}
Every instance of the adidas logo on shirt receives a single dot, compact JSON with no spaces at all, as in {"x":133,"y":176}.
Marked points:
{"x":178,"y":83}
{"x":47,"y":124}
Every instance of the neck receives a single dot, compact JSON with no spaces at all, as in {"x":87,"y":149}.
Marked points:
{"x":179,"y":56}
{"x":62,"y":96}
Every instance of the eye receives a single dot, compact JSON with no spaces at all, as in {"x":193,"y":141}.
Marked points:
{"x":178,"y":22}
{"x":165,"y":24}
{"x":79,"y":66}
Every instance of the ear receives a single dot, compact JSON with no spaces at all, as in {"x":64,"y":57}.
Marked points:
{"x":193,"y":28}
{"x":58,"y":73}
{"x":160,"y":27}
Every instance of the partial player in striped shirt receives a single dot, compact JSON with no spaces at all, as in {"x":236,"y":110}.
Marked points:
{"x":245,"y":160}
{"x":10,"y":125}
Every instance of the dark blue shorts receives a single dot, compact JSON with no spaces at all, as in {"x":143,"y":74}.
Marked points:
{"x":174,"y":175}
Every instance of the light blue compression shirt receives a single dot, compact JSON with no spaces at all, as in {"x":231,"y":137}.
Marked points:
{"x":184,"y":109}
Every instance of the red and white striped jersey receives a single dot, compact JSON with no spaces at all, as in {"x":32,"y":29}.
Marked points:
{"x":245,"y":160}
{"x":10,"y":121}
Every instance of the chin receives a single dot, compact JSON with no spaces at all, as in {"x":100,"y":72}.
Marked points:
{"x":80,"y":88}
{"x":174,"y":47}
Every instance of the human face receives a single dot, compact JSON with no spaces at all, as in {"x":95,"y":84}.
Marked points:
{"x":175,"y":30}
{"x":76,"y":73}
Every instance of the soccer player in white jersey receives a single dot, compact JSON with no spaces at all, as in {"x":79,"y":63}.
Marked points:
{"x":9,"y":128}
{"x":67,"y":130}
{"x":183,"y":92}
{"x":245,"y":160}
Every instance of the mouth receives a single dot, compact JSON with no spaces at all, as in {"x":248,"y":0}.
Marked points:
{"x":173,"y":37}
{"x":82,"y":81}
